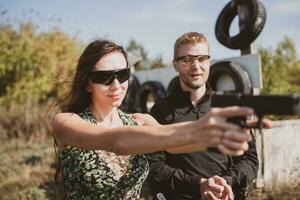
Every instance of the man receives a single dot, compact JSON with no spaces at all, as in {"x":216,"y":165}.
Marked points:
{"x":201,"y":175}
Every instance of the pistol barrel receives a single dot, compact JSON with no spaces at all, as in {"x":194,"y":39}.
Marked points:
{"x":262,"y":104}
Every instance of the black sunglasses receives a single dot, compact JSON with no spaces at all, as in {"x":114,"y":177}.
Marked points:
{"x":106,"y":77}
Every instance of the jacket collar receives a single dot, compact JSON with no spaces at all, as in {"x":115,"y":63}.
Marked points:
{"x":182,"y":98}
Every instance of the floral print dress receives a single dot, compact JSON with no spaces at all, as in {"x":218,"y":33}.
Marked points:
{"x":99,"y":174}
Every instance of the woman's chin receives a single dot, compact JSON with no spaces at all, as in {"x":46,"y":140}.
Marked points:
{"x":117,"y":103}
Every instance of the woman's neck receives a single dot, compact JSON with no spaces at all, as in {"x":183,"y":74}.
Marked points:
{"x":105,"y":116}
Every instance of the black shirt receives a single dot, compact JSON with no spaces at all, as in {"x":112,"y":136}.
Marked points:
{"x":177,"y":175}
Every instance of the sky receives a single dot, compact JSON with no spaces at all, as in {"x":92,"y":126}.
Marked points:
{"x":155,"y":24}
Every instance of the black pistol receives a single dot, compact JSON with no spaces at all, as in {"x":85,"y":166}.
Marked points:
{"x":261,"y":104}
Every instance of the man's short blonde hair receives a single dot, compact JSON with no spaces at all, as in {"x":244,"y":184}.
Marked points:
{"x":188,"y":38}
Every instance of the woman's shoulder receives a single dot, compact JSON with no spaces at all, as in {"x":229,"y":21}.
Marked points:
{"x":61,"y":117}
{"x":62,"y":122}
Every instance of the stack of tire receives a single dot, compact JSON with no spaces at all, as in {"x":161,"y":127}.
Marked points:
{"x":139,"y":95}
{"x":254,"y":18}
{"x":253,"y":23}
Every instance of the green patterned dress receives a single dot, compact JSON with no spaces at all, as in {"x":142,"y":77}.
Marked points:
{"x":100,"y":174}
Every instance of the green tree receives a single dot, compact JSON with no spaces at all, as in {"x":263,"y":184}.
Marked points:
{"x":33,"y":65}
{"x":281,"y":68}
{"x":135,"y":46}
{"x":157,"y":63}
{"x":141,"y":59}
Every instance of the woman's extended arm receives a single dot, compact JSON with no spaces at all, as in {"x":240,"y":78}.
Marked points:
{"x":229,"y":144}
{"x":70,"y":129}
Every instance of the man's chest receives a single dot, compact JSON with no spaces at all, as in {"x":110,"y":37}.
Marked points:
{"x":187,"y":114}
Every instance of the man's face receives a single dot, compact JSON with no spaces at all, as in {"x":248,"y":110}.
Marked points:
{"x":192,"y":64}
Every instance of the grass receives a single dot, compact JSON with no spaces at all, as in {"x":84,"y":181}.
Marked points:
{"x":27,"y":170}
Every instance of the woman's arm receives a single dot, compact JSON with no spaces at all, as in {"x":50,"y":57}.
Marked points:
{"x":70,"y":129}
{"x":229,"y":144}
{"x":235,"y":146}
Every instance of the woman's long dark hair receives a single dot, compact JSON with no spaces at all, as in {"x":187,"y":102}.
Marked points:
{"x":78,"y":98}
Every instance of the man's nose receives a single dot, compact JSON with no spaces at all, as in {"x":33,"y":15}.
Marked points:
{"x":196,"y":63}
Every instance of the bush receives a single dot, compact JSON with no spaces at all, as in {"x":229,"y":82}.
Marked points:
{"x":33,"y":65}
{"x":26,"y":121}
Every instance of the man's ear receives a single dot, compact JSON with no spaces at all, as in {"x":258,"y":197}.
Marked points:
{"x":175,"y":65}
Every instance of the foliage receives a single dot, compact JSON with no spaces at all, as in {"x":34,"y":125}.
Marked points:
{"x":32,"y":64}
{"x":26,"y":170}
{"x":135,"y":46}
{"x":141,"y":61}
{"x":26,"y":121}
{"x":157,"y":63}
{"x":281,"y":69}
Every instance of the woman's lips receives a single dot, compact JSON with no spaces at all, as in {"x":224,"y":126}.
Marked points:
{"x":115,"y":96}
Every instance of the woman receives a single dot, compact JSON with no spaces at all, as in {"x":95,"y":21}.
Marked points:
{"x":101,"y":148}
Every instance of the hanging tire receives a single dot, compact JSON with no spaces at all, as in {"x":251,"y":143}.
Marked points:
{"x":238,"y":75}
{"x":251,"y":29}
{"x":150,"y":87}
{"x":129,"y":102}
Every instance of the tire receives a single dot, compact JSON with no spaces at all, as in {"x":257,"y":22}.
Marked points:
{"x":129,"y":102}
{"x":251,"y":29}
{"x":239,"y":76}
{"x":150,"y":87}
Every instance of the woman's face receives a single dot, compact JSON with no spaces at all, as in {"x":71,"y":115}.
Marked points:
{"x":113,"y":94}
